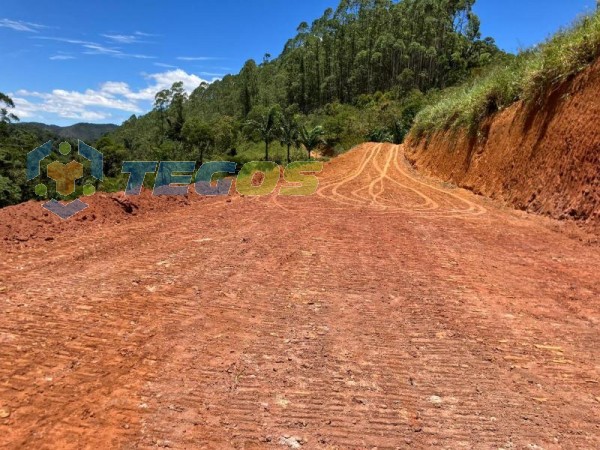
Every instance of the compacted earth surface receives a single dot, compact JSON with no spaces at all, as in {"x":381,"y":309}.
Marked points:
{"x":385,"y":311}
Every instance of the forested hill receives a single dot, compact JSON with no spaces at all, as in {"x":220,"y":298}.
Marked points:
{"x":358,"y":71}
{"x":88,"y":132}
{"x":363,"y":47}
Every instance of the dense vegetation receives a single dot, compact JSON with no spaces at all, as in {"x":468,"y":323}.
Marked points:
{"x":87,"y":132}
{"x":362,"y":71}
{"x":16,"y":140}
{"x":358,"y":72}
{"x":13,"y":148}
{"x":528,"y":77}
{"x":15,"y":143}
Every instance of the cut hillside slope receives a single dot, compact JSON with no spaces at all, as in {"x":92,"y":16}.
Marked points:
{"x":543,"y":159}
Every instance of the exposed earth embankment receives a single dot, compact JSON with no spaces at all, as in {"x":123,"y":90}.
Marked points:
{"x":542,"y":158}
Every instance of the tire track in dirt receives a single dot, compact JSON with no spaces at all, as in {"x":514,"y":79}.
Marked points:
{"x":403,"y":315}
{"x":74,"y":341}
{"x":349,"y":201}
{"x":320,"y":368}
{"x":408,"y":194}
{"x":383,"y":176}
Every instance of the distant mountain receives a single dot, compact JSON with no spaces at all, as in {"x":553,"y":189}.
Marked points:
{"x":88,"y":132}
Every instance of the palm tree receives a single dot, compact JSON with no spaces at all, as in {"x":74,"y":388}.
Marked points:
{"x":266,"y":127}
{"x":288,"y":132}
{"x":311,"y":139}
{"x":5,"y":103}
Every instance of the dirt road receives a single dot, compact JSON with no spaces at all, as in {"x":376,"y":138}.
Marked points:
{"x":388,"y":311}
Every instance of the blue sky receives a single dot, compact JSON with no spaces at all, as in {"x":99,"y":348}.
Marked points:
{"x":68,"y":61}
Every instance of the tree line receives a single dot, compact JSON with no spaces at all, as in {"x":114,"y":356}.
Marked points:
{"x":362,"y":47}
{"x":360,"y":72}
{"x":376,"y":58}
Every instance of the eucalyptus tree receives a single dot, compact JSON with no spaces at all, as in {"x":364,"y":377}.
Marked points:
{"x":169,"y":105}
{"x":249,"y":86}
{"x":161,"y":103}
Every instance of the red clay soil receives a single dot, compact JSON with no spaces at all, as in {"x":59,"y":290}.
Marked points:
{"x":543,"y":158}
{"x":387,"y":311}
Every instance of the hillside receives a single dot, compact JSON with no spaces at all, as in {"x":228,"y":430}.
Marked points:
{"x":527,"y":133}
{"x":360,"y":71}
{"x":87,"y":132}
{"x":544,"y":161}
{"x":430,"y":281}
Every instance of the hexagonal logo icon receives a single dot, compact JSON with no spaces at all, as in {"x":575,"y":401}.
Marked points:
{"x":65,"y":176}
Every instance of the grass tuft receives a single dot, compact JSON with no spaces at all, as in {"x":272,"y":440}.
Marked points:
{"x":529,"y":76}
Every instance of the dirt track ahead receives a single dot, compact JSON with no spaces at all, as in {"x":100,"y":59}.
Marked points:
{"x":387,"y":311}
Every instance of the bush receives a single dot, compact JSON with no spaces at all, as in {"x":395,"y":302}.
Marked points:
{"x":10,"y":193}
{"x":380,"y":135}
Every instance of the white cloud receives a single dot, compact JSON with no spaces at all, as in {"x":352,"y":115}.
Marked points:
{"x":61,"y":57}
{"x":18,"y":25}
{"x":135,"y":38}
{"x":212,"y":74}
{"x":65,"y":40}
{"x":112,"y":99}
{"x":99,"y":49}
{"x":115,"y":88}
{"x":165,"y":80}
{"x":26,"y":109}
{"x":137,"y":56}
{"x":196,"y":58}
{"x":123,"y":38}
{"x":168,"y":66}
{"x":94,"y":48}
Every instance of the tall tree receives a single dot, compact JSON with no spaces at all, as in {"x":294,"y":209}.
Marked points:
{"x":161,"y":103}
{"x":265,"y":125}
{"x":175,"y":119}
{"x":169,"y":105}
{"x":288,"y":131}
{"x":249,"y":86}
{"x":7,"y":103}
{"x":199,"y":135}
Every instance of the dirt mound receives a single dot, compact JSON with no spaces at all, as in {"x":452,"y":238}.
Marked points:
{"x":544,"y":159}
{"x":28,"y":223}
